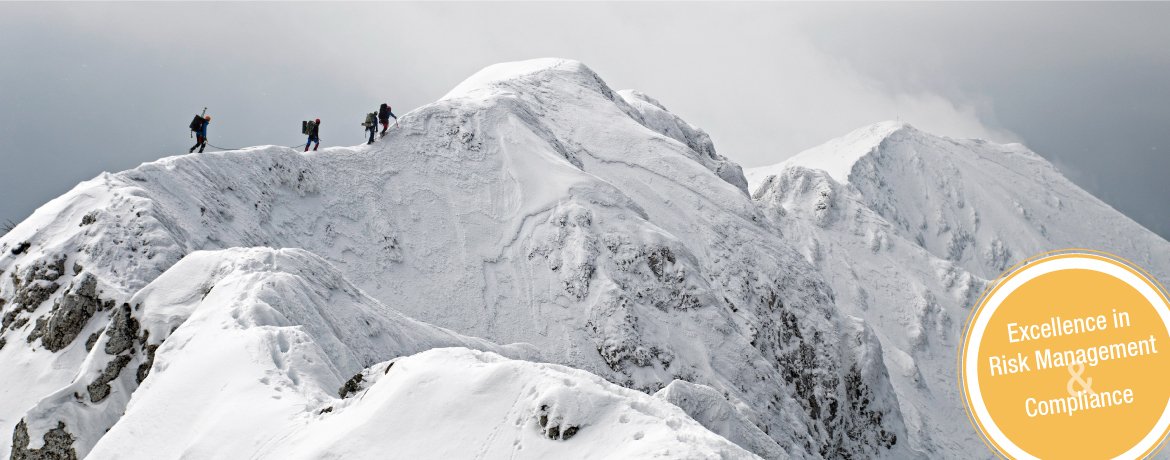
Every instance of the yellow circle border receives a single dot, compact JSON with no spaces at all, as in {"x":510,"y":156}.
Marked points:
{"x":994,"y":285}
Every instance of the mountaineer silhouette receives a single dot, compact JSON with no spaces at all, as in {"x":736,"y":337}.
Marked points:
{"x":384,"y":114}
{"x":313,"y":130}
{"x":199,"y":127}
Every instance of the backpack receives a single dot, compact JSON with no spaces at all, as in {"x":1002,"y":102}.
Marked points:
{"x":304,"y":127}
{"x":197,"y":123}
{"x":371,"y":119}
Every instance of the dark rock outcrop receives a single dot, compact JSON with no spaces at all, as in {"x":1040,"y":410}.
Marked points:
{"x":58,"y":444}
{"x":354,"y":385}
{"x":122,"y":331}
{"x":70,"y":314}
{"x":99,"y":389}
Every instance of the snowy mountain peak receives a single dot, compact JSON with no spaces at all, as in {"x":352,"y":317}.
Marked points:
{"x":492,"y":78}
{"x":532,"y":205}
{"x":838,"y":156}
{"x":968,"y":201}
{"x":527,"y":87}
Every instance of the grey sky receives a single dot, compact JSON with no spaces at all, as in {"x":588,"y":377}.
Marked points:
{"x":92,"y":87}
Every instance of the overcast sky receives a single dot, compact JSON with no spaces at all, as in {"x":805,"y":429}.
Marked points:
{"x":86,"y":88}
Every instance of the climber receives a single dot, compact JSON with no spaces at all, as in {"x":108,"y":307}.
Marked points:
{"x":314,"y":133}
{"x":384,"y":115}
{"x":199,"y":126}
{"x":371,"y":125}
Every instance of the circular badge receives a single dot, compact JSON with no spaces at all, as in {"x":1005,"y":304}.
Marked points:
{"x":1067,"y":356}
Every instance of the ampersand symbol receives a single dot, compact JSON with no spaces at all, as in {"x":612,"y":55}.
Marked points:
{"x":1076,"y":370}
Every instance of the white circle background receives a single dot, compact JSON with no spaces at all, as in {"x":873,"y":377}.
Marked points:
{"x":971,"y":354}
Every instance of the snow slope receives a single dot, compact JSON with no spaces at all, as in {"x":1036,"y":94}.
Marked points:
{"x":245,"y":324}
{"x":532,"y":204}
{"x":909,"y":228}
{"x":267,"y":343}
{"x":506,"y":409}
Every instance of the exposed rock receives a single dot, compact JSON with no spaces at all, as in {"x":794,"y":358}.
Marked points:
{"x":859,"y":398}
{"x":568,"y":433}
{"x":122,"y":331}
{"x":70,"y":315}
{"x":93,"y":338}
{"x":554,"y":430}
{"x":31,"y":289}
{"x":144,"y":368}
{"x":354,"y":385}
{"x":840,"y":415}
{"x":21,"y":247}
{"x":100,"y":388}
{"x":58,"y":444}
{"x":31,"y":293}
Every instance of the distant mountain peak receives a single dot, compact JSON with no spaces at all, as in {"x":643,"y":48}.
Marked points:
{"x":838,"y":156}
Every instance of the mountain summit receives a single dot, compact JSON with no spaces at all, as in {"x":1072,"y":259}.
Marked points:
{"x":534,"y":265}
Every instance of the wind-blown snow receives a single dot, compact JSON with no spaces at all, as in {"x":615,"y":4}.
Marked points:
{"x":725,"y":418}
{"x":468,"y":404}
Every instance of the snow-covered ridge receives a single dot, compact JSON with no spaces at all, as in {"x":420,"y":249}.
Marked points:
{"x":508,"y":409}
{"x":534,"y":206}
{"x":979,"y":204}
{"x":282,"y":316}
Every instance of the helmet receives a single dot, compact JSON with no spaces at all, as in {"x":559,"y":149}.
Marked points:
{"x":318,"y":121}
{"x":207,"y":117}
